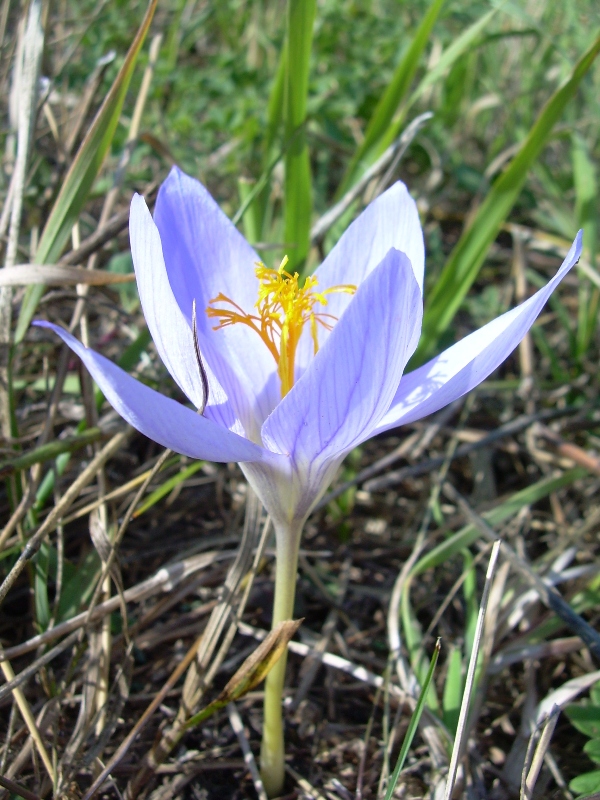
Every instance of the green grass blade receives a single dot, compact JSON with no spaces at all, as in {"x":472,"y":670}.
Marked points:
{"x":297,"y":187}
{"x":586,"y":192}
{"x":465,"y":42}
{"x":453,"y":690}
{"x":275,"y":108}
{"x":469,"y":254}
{"x":40,"y":586}
{"x":586,"y":213}
{"x":251,"y":218}
{"x":414,"y":722}
{"x":49,"y":451}
{"x":413,"y":640}
{"x":458,"y":48}
{"x":255,"y":202}
{"x":467,"y":535}
{"x":393,"y":96}
{"x":168,"y":487}
{"x":470,"y":601}
{"x":82,"y":173}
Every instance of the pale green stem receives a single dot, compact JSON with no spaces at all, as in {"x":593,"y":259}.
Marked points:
{"x":272,"y":751}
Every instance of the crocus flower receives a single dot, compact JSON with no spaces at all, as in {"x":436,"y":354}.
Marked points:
{"x":296,"y":376}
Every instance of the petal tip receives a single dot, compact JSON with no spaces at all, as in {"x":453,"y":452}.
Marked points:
{"x":43,"y":323}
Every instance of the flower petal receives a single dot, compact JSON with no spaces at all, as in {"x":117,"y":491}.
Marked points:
{"x":392,"y":220}
{"x":170,"y":330}
{"x":352,"y":379}
{"x":158,"y":417}
{"x":467,"y":363}
{"x":206,"y":255}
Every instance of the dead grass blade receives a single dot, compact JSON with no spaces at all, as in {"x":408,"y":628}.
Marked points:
{"x":330,"y":660}
{"x":414,"y":470}
{"x":392,"y":156}
{"x":565,"y":694}
{"x":163,"y":581}
{"x":531,"y":770}
{"x":457,"y":750}
{"x":59,"y":275}
{"x":30,"y":722}
{"x":143,"y":720}
{"x":58,"y":511}
{"x":238,"y":728}
{"x":548,"y":594}
{"x":26,"y":74}
{"x":32,"y":669}
{"x":202,"y":669}
{"x":252,"y":672}
{"x":17,"y":789}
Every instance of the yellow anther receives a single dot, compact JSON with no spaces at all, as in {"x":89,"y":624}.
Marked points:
{"x":282,"y":309}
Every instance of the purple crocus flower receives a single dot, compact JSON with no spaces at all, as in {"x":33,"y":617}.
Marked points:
{"x":289,"y":379}
{"x":353,"y":388}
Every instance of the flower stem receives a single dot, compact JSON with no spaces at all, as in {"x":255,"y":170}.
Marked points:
{"x":272,"y":749}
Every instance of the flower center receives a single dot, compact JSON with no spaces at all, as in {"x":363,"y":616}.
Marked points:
{"x":282,"y":310}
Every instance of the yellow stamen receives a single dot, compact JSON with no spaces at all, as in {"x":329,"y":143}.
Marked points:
{"x":282,"y":310}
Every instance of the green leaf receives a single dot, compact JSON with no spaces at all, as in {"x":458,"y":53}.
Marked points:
{"x":588,"y":783}
{"x":256,"y":201}
{"x":586,"y":718}
{"x":592,"y":750}
{"x":297,"y":186}
{"x":469,"y":254}
{"x":81,"y":175}
{"x":78,"y":589}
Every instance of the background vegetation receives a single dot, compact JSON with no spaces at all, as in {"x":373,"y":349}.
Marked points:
{"x":280,"y":109}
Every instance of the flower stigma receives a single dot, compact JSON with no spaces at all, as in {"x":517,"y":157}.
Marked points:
{"x":283,"y":309}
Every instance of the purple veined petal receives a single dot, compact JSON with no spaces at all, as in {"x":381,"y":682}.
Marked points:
{"x":206,"y":255}
{"x":170,"y":330}
{"x":466,"y":364}
{"x":158,"y":417}
{"x":392,"y":220}
{"x":352,"y":379}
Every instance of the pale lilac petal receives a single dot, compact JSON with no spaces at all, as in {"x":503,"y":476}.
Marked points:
{"x":352,"y":379}
{"x":158,"y":417}
{"x":392,"y":220}
{"x":467,"y":363}
{"x":206,"y":255}
{"x":169,"y":328}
